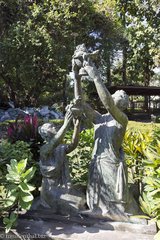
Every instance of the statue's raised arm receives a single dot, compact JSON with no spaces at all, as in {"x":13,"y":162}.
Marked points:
{"x":78,"y":72}
{"x":52,"y":137}
{"x":116,"y":103}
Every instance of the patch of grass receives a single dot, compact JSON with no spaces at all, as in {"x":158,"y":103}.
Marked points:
{"x":144,"y":127}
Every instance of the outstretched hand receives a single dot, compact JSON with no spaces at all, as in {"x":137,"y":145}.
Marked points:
{"x":90,"y":67}
{"x":76,"y":122}
{"x":68,"y":116}
{"x":77,"y":108}
{"x":76,"y":65}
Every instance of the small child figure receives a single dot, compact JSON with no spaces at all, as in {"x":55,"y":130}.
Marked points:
{"x":56,"y":190}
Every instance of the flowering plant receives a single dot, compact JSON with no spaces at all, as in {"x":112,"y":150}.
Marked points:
{"x":25,"y":130}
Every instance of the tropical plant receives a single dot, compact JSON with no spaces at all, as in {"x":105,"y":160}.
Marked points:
{"x":18,"y":150}
{"x":150,"y":199}
{"x":18,"y":191}
{"x":135,"y":144}
{"x":143,"y":158}
{"x":80,"y":158}
{"x":26,"y":130}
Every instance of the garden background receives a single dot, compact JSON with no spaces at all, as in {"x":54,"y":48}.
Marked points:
{"x":37,"y":41}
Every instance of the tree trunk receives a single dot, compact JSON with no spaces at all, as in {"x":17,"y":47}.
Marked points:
{"x":147,"y":76}
{"x":124,"y":65}
{"x":64,"y":95}
{"x":108,"y":69}
{"x":124,"y":51}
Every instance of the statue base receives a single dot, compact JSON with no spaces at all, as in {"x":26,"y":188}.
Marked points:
{"x":53,"y":226}
{"x":61,"y":201}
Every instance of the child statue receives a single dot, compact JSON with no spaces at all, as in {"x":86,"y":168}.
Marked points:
{"x":57,"y":192}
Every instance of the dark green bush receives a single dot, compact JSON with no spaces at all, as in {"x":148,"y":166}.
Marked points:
{"x":80,"y":158}
{"x":18,"y":150}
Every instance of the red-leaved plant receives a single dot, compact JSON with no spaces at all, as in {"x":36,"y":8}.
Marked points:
{"x":25,"y":130}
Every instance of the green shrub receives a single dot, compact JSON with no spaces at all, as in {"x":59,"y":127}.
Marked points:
{"x":143,"y":159}
{"x":18,"y":150}
{"x":134,"y":145}
{"x":150,"y":198}
{"x":80,"y":158}
{"x":17,"y":191}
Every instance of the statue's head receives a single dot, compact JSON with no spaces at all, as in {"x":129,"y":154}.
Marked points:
{"x":47,"y":131}
{"x":81,"y":49}
{"x":78,"y":56}
{"x":121,"y":99}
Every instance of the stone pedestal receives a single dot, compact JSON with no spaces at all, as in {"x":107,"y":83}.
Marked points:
{"x":46,"y":225}
{"x":61,"y":201}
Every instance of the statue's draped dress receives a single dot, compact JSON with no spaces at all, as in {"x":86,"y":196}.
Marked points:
{"x":56,"y":178}
{"x":107,"y":182}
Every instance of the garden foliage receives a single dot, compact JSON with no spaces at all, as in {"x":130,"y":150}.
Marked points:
{"x":80,"y":158}
{"x":26,"y":130}
{"x":19,"y":150}
{"x":17,"y":191}
{"x":143,"y":159}
{"x":142,"y":154}
{"x":17,"y":168}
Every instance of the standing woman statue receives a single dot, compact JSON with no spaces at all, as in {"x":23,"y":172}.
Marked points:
{"x":107,"y":181}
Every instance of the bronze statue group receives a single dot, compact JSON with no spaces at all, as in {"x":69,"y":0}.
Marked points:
{"x":107,"y":188}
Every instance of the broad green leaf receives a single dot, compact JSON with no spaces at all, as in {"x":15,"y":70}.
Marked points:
{"x":26,"y":197}
{"x":145,"y":205}
{"x":12,"y":188}
{"x":30,"y":187}
{"x":25,"y":205}
{"x":149,"y":188}
{"x":8,"y":227}
{"x":13,"y":164}
{"x":6,"y":220}
{"x":22,"y":165}
{"x":13,"y":216}
{"x":28,"y":175}
{"x":151,"y":154}
{"x":13,"y":177}
{"x":11,"y":199}
{"x":26,"y":187}
{"x":155,"y":192}
{"x":10,"y":221}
